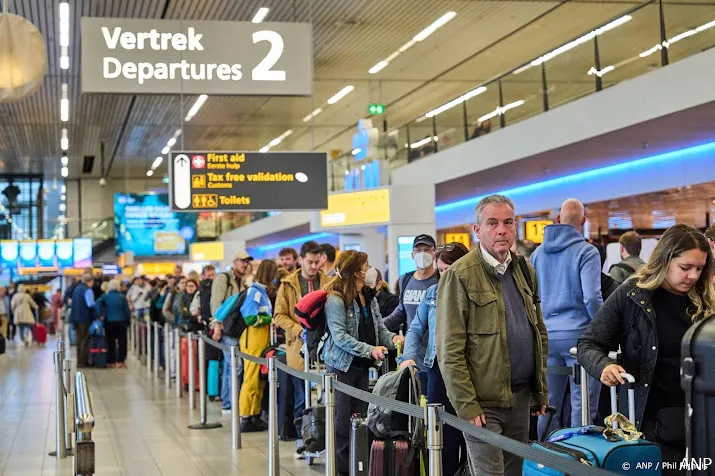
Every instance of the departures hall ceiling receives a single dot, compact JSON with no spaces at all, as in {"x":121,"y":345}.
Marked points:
{"x":485,"y":39}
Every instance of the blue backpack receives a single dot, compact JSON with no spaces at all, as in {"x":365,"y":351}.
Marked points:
{"x":229,"y":314}
{"x":96,"y":328}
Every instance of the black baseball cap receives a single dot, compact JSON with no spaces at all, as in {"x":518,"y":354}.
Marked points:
{"x":424,"y":240}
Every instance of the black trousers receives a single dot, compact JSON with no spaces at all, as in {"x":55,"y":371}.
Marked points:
{"x":672,"y":453}
{"x":345,"y":406}
{"x":453,"y":439}
{"x":82,"y":344}
{"x":116,"y":342}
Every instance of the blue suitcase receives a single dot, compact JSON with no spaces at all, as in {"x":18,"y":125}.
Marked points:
{"x":213,"y":379}
{"x":639,"y":457}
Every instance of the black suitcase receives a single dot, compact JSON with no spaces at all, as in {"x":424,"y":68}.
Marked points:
{"x":286,"y":427}
{"x":313,"y":429}
{"x":360,"y":442}
{"x":698,"y":382}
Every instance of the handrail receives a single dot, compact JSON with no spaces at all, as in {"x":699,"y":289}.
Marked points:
{"x":84,"y":415}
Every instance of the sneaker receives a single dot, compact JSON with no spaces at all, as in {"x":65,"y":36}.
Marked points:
{"x":226,"y":411}
{"x":259,"y":423}
{"x":299,"y":454}
{"x":248,"y":426}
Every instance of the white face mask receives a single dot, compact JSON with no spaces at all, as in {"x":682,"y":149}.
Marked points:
{"x":371,"y":277}
{"x":423,"y":260}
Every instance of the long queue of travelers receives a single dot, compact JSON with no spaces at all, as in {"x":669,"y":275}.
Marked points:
{"x":480,"y":326}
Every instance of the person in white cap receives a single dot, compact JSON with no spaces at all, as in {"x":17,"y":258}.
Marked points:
{"x":224,"y":286}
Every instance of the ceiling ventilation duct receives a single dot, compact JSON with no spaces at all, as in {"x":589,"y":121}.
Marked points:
{"x":23,"y":57}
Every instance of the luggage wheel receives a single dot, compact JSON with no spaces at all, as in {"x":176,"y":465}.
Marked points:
{"x":309,"y":460}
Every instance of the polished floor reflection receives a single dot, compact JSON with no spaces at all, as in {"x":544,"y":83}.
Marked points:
{"x":141,"y":426}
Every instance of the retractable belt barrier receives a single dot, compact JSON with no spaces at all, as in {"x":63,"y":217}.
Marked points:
{"x":523,"y":450}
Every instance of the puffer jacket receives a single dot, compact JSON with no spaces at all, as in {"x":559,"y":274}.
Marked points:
{"x":627,"y":319}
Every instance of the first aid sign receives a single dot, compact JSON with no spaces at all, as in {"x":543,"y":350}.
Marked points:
{"x":140,"y":56}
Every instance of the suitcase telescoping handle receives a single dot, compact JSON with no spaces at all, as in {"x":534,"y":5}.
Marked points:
{"x":631,"y":386}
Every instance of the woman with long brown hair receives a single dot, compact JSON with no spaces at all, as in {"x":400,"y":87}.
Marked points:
{"x":357,"y":339}
{"x":257,"y":311}
{"x":648,"y":316}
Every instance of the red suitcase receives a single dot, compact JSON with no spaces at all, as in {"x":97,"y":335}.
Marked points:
{"x":389,"y":457}
{"x":185,"y":363}
{"x":39,"y":334}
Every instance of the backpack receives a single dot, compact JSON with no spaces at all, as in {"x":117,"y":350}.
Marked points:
{"x":96,"y":328}
{"x":624,"y":267}
{"x":268,"y":352}
{"x":405,"y":280}
{"x":398,"y":385}
{"x":205,"y":300}
{"x":310,"y":311}
{"x":230,"y":315}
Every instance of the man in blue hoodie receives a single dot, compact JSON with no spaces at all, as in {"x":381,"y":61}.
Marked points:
{"x":568,"y":270}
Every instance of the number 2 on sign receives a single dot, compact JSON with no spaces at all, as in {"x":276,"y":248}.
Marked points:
{"x":262,"y":71}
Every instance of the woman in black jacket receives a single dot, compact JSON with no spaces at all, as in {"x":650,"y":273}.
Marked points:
{"x":648,"y":316}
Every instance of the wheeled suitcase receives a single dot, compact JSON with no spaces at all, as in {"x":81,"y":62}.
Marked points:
{"x":213,"y":379}
{"x":184,"y":350}
{"x":590,"y":446}
{"x":360,"y":441}
{"x":390,"y":457}
{"x":698,"y":382}
{"x":98,"y":351}
{"x":39,"y":333}
{"x":313,"y":429}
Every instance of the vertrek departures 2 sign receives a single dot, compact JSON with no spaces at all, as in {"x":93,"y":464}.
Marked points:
{"x":241,"y":181}
{"x":141,"y":56}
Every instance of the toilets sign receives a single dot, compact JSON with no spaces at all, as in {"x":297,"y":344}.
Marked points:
{"x":140,"y":56}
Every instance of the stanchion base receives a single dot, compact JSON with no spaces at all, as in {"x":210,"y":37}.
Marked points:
{"x":54,"y":453}
{"x":205,"y":426}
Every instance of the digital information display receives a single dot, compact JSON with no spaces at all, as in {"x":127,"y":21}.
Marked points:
{"x":45,"y":255}
{"x":242,"y":181}
{"x":405,"y":263}
{"x":145,"y":225}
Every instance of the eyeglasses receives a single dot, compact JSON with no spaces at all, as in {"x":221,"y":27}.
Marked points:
{"x":449,"y":247}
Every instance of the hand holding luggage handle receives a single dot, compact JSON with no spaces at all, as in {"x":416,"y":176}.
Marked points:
{"x":631,"y":381}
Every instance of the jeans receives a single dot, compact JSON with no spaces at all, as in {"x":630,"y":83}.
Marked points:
{"x":24,"y":330}
{"x":345,"y":406}
{"x":454,"y":448}
{"x":512,"y":422}
{"x":298,"y":407}
{"x":559,"y":356}
{"x":226,"y":383}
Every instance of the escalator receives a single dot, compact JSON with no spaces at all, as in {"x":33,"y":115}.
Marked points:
{"x":102,"y":235}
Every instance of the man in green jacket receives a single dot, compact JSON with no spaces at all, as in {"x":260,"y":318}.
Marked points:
{"x":491,"y":339}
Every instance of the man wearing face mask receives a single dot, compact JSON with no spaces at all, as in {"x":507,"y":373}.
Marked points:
{"x":414,"y":285}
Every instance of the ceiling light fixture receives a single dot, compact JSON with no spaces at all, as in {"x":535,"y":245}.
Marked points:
{"x":573,"y":44}
{"x":157,"y":162}
{"x":64,"y":24}
{"x":312,"y":114}
{"x":63,"y":189}
{"x":441,"y":21}
{"x":165,"y":150}
{"x":64,"y":105}
{"x":421,"y":36}
{"x":63,"y":197}
{"x":64,"y":58}
{"x":149,"y":173}
{"x":341,"y":94}
{"x":171,"y":142}
{"x":62,"y":207}
{"x":64,"y":141}
{"x":276,"y":141}
{"x":195,"y":108}
{"x":65,"y":161}
{"x":264,"y":149}
{"x":455,"y":102}
{"x":64,"y":171}
{"x":356,"y":151}
{"x":422,"y":142}
{"x":260,"y":15}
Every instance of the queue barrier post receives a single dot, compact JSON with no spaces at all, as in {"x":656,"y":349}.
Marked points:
{"x":167,"y":355}
{"x":177,"y":365}
{"x":330,"y":447}
{"x":60,"y":448}
{"x":435,"y":439}
{"x":235,"y":412}
{"x":157,"y":348}
{"x":203,"y":424}
{"x":273,"y":452}
{"x":192,"y":373}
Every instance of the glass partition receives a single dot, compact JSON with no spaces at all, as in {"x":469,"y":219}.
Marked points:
{"x":480,"y":111}
{"x":523,"y":95}
{"x":689,"y":29}
{"x":571,"y":74}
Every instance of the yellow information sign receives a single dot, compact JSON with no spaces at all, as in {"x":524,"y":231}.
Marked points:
{"x":198,"y":181}
{"x":207,"y":251}
{"x":205,"y":200}
{"x":458,"y":238}
{"x":534,"y":230}
{"x":156,"y":269}
{"x":357,"y":208}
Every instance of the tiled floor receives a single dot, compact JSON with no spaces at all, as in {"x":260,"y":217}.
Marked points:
{"x":141,"y":427}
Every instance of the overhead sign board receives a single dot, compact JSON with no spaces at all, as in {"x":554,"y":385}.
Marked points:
{"x":534,"y":230}
{"x":357,"y":208}
{"x":147,"y":56}
{"x":462,"y":238}
{"x":243,"y":181}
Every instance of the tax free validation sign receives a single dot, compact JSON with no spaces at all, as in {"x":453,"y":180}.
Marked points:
{"x":248,"y":181}
{"x":146,"y":56}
